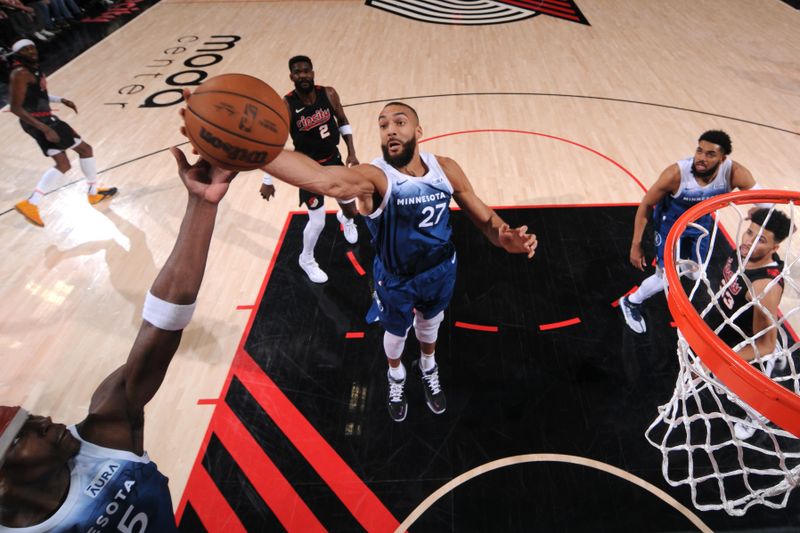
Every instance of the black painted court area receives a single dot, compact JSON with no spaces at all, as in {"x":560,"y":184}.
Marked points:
{"x":589,"y":389}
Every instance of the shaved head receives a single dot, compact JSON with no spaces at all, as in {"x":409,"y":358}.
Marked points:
{"x":413,"y":112}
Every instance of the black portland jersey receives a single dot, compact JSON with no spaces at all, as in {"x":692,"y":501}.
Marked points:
{"x":313,"y":127}
{"x":36,"y":101}
{"x":735,"y":297}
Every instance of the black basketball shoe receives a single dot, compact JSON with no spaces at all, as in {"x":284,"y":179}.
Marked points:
{"x":434,"y":395}
{"x":396,"y":398}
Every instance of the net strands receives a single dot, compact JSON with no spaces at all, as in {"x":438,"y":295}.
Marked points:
{"x":729,"y":454}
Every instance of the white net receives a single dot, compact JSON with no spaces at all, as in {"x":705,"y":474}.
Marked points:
{"x":729,"y":455}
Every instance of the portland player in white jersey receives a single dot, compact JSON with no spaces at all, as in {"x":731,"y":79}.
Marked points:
{"x":680,"y":186}
{"x":405,"y":199}
{"x":95,"y":476}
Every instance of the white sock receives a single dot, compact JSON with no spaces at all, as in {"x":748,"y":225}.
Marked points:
{"x":398,"y":373}
{"x":50,"y":176}
{"x":312,"y":231}
{"x":89,"y":169}
{"x":342,"y":218}
{"x":427,"y":362}
{"x":648,"y":288}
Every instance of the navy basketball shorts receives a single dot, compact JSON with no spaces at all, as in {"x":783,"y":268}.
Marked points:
{"x":396,"y":297}
{"x":687,"y":247}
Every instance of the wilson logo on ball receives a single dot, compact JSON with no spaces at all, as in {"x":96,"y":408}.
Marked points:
{"x":234,"y":153}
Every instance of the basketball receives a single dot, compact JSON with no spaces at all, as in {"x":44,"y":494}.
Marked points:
{"x":236,"y":122}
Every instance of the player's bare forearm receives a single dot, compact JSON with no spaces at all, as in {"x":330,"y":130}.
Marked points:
{"x":339,"y":182}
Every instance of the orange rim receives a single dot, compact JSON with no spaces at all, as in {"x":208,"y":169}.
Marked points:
{"x":772,"y":400}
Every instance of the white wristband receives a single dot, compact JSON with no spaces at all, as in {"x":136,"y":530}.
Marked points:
{"x":166,"y":315}
{"x":344,"y":202}
{"x":345,"y":129}
{"x":54,"y":99}
{"x":266,"y":179}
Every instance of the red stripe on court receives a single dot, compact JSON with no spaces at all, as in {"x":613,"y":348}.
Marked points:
{"x":476,"y":327}
{"x":348,"y":487}
{"x":208,"y":401}
{"x":274,"y":489}
{"x":211,"y":507}
{"x":351,"y":256}
{"x":562,"y":139}
{"x":204,"y":445}
{"x":244,"y":307}
{"x":562,"y":324}
{"x":615,"y":303}
{"x":354,"y":335}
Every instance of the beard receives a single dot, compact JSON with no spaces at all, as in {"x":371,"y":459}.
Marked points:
{"x":304,"y":86}
{"x":404,"y":157}
{"x":710,"y":172}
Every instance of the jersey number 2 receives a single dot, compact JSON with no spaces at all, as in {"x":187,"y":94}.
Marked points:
{"x":323,"y":131}
{"x":429,"y":212}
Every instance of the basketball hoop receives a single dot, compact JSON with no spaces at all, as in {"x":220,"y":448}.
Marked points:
{"x":730,"y":431}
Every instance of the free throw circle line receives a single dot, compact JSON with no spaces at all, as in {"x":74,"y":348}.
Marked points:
{"x":542,"y":458}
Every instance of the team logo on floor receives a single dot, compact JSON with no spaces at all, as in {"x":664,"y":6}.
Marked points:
{"x":480,"y":12}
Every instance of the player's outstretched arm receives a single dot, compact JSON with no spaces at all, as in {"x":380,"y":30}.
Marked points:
{"x":667,"y":183}
{"x":360,"y":181}
{"x":512,"y":240}
{"x":116,"y":412}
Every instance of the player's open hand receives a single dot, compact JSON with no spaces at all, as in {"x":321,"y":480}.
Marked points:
{"x":70,"y":104}
{"x":517,"y":240}
{"x":637,"y":257}
{"x":203,"y":180}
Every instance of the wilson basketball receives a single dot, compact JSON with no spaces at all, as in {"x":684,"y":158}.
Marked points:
{"x":236,"y":122}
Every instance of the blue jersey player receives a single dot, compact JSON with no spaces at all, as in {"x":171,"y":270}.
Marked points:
{"x":681,"y":185}
{"x":405,"y":197}
{"x":95,"y":476}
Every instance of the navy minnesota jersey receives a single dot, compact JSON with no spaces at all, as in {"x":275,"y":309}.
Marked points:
{"x":412,"y":224}
{"x":313,"y":127}
{"x":111,"y":491}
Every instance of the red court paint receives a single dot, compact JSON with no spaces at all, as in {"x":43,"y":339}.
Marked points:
{"x":615,"y":303}
{"x":562,"y":139}
{"x":476,"y":327}
{"x":208,"y":401}
{"x":351,"y":256}
{"x":274,"y":489}
{"x":190,"y":491}
{"x":211,"y":507}
{"x":562,"y":324}
{"x":365,"y":507}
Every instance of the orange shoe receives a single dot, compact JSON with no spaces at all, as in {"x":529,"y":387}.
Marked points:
{"x":29,"y":211}
{"x":101,"y":195}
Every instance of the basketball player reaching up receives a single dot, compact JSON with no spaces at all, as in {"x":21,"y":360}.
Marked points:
{"x":758,"y":254}
{"x":680,"y":186}
{"x":405,"y":197}
{"x":316,"y":120}
{"x":30,"y":101}
{"x":96,"y":476}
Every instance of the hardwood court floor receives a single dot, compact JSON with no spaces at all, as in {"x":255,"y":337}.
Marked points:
{"x":587,"y":113}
